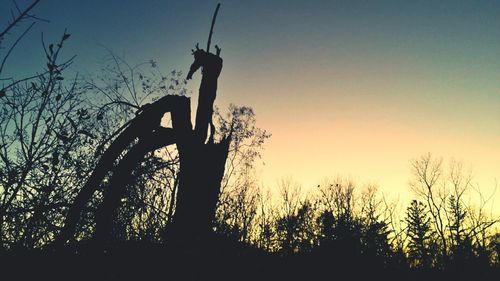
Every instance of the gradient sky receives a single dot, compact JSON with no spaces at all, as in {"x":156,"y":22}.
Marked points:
{"x":354,"y":88}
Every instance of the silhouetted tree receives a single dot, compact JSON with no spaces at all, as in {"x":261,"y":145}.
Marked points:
{"x":341,"y":228}
{"x":420,"y":234}
{"x":45,"y":130}
{"x":295,"y":223}
{"x":462,"y":230}
{"x":427,"y":175}
{"x":494,"y":246}
{"x":375,"y":229}
{"x":237,"y":204}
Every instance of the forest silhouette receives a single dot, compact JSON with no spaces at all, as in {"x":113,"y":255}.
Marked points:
{"x":106,"y":178}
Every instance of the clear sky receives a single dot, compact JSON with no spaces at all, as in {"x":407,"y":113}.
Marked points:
{"x":355,"y":88}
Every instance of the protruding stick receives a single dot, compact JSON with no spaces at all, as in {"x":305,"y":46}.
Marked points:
{"x":212,"y":27}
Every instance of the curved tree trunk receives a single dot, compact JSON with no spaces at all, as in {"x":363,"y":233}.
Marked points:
{"x":142,"y":125}
{"x":201,"y":164}
{"x":123,"y":176}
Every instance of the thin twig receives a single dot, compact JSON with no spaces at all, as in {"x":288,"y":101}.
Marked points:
{"x":14,"y":45}
{"x":19,"y":18}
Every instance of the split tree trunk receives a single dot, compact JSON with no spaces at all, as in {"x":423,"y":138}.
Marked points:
{"x":201,"y":164}
{"x":202,"y":169}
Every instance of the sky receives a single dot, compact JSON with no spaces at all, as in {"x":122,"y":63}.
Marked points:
{"x":349,"y":88}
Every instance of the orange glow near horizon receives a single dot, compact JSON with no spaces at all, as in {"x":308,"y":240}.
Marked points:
{"x":368,"y":123}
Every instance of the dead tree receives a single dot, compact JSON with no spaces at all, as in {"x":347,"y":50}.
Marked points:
{"x":202,"y":161}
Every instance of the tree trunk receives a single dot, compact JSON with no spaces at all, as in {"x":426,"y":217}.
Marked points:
{"x":123,"y":176}
{"x":202,"y":169}
{"x":201,"y":164}
{"x":147,"y":123}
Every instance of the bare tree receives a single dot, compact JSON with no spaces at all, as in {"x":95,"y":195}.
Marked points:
{"x":18,"y":16}
{"x":44,"y":127}
{"x":428,"y":173}
{"x":462,"y":229}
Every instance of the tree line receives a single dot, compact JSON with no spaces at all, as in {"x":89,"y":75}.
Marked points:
{"x":448,"y":224}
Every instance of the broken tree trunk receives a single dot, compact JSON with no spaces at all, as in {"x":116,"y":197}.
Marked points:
{"x":123,"y":176}
{"x":201,"y":172}
{"x":202,"y":162}
{"x":145,"y":123}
